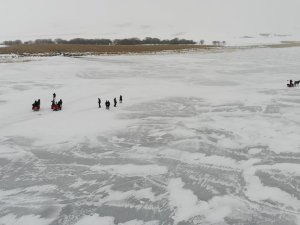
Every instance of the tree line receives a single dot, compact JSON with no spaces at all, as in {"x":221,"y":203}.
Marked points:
{"x":126,"y":41}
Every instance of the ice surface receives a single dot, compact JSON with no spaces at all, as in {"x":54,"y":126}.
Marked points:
{"x":201,"y":138}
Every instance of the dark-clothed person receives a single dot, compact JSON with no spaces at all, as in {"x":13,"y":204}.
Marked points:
{"x":99,"y":102}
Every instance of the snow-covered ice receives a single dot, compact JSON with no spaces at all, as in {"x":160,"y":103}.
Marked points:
{"x":200,"y":138}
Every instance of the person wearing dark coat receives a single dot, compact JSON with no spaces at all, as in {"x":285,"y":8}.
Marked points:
{"x":108,"y":104}
{"x":60,"y":103}
{"x":121,"y":99}
{"x":54,"y":97}
{"x":99,"y":102}
{"x":35,"y":104}
{"x":115,"y":102}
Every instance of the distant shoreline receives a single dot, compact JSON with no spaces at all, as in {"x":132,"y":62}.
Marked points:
{"x":73,"y":50}
{"x":285,"y":44}
{"x":81,"y":50}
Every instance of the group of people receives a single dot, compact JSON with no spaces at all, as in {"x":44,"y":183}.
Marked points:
{"x":293,"y":84}
{"x":55,"y":106}
{"x":107,"y":102}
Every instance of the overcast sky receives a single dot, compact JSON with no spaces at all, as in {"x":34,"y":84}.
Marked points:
{"x":196,"y":19}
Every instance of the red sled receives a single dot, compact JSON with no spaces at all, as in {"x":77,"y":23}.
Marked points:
{"x":35,"y":108}
{"x":55,"y":107}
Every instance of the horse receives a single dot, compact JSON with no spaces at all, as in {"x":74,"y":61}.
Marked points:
{"x":296,"y":83}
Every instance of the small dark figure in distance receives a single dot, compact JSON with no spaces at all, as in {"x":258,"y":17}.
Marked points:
{"x":54,"y":96}
{"x":290,"y":84}
{"x":121,"y":99}
{"x":53,"y":105}
{"x":106,"y":104}
{"x":296,"y":83}
{"x":59,"y":104}
{"x":36,"y":105}
{"x":99,"y":102}
{"x":115,"y":102}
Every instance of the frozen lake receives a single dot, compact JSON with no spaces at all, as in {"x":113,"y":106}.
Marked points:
{"x":200,"y":138}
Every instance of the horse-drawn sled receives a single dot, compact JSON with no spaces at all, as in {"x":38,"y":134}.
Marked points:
{"x":293,"y":84}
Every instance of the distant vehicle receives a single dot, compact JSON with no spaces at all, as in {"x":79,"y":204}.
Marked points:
{"x":293,"y":84}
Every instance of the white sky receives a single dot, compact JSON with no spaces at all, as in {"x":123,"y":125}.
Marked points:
{"x":196,"y":19}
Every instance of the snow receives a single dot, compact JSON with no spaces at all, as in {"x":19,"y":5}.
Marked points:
{"x":258,"y":192}
{"x":200,"y":138}
{"x":132,"y":170}
{"x":29,"y":219}
{"x":187,"y":204}
{"x":95,"y":220}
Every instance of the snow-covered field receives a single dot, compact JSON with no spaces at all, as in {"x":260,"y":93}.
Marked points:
{"x":201,"y":138}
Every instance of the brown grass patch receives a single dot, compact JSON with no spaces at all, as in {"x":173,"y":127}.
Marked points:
{"x":95,"y":49}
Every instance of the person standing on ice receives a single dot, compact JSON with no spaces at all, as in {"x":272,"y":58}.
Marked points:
{"x":54,"y":96}
{"x":115,"y":102}
{"x":35,"y":104}
{"x":120,"y":99}
{"x":99,"y":102}
{"x":107,"y":105}
{"x":60,"y":103}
